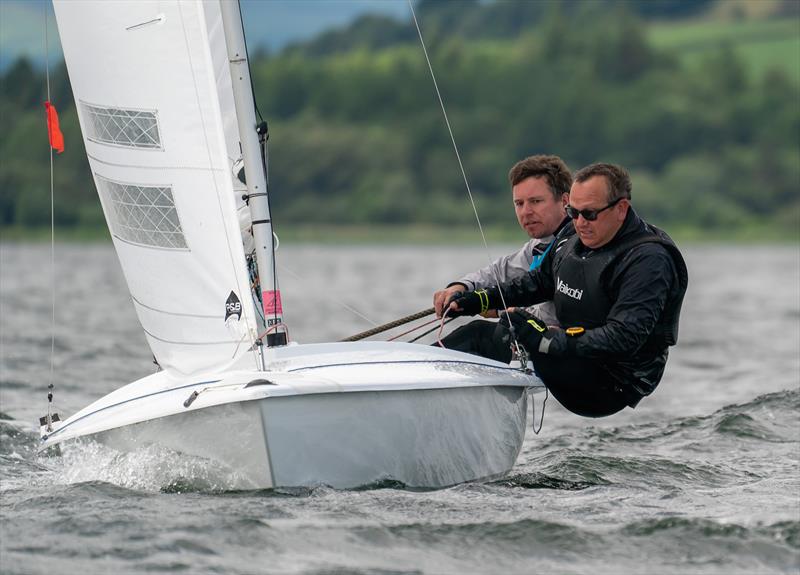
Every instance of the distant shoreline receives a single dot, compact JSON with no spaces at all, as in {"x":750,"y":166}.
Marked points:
{"x":415,"y":234}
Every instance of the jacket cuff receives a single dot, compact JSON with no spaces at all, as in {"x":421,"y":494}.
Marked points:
{"x":469,"y":285}
{"x":557,"y":344}
{"x":495,"y":301}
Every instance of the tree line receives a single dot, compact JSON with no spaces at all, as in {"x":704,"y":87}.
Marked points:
{"x":357,"y":135}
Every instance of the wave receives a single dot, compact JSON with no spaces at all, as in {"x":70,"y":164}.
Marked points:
{"x":502,"y":535}
{"x":17,"y":451}
{"x":537,"y":480}
{"x":681,"y":453}
{"x":784,"y":532}
{"x":677,"y":544}
{"x":770,"y":418}
{"x":572,"y":469}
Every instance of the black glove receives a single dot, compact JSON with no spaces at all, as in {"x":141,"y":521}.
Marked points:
{"x":528,"y":329}
{"x":471,"y":303}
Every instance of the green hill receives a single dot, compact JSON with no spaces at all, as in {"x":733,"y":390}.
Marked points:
{"x":705,"y":114}
{"x":760,"y":44}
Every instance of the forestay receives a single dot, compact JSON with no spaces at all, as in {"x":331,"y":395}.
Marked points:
{"x":153,"y":91}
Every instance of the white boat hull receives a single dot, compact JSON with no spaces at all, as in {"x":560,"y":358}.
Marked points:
{"x":342,"y":415}
{"x":420,"y":438}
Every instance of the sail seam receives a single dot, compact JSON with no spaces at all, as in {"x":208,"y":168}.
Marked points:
{"x":144,"y":305}
{"x":161,"y":339}
{"x":141,"y":167}
{"x":147,"y":246}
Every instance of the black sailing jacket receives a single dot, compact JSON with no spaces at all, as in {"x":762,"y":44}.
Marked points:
{"x":629,"y":304}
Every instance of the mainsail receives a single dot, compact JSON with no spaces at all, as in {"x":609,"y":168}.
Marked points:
{"x":153,"y":92}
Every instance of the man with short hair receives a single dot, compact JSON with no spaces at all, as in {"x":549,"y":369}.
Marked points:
{"x":617,"y":284}
{"x":540,"y":190}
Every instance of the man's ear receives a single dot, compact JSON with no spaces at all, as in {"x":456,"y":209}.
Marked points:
{"x":622,"y":209}
{"x":564,"y":199}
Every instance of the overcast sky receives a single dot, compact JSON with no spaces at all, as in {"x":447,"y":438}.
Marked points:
{"x":271,"y":23}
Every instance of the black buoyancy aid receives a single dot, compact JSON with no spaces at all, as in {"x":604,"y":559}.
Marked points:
{"x":577,"y":276}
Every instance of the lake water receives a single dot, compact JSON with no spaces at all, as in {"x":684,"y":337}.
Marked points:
{"x":702,"y":477}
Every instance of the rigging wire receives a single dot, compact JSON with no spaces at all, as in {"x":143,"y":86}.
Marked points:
{"x":250,"y":71}
{"x":51,"y":384}
{"x":463,"y":172}
{"x":264,"y":140}
{"x":264,"y":160}
{"x":329,"y":297}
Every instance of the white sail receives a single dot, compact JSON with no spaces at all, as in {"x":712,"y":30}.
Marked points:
{"x":152,"y":88}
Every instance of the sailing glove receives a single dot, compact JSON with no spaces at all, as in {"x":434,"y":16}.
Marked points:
{"x":529,"y":330}
{"x":471,"y":303}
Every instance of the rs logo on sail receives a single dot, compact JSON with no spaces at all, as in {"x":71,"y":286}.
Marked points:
{"x":233,"y":307}
{"x":574,"y":293}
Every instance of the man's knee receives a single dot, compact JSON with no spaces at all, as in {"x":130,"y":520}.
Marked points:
{"x":580,"y":385}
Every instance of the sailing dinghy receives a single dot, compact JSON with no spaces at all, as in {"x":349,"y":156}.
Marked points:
{"x":167,"y":114}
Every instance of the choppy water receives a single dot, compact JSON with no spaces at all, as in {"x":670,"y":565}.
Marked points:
{"x":703,"y":477}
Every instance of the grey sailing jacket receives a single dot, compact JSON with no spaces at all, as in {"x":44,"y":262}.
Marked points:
{"x":510,"y":267}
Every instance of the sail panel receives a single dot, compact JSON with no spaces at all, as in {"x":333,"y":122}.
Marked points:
{"x":148,"y":97}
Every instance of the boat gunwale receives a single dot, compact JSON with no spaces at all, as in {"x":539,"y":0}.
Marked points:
{"x":47,"y":439}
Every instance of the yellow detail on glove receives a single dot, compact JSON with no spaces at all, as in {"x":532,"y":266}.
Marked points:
{"x":484,"y":297}
{"x":540,"y":328}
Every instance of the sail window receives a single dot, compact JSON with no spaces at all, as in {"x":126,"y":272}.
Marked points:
{"x":129,"y":128}
{"x":144,"y":215}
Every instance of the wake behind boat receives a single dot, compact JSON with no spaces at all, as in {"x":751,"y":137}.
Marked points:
{"x":166,"y":110}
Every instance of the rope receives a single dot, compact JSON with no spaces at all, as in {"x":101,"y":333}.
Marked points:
{"x":413,"y":329}
{"x":390,"y":325}
{"x":533,"y":412}
{"x":439,"y":327}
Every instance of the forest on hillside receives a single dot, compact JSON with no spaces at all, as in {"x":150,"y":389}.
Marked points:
{"x":357,"y":135}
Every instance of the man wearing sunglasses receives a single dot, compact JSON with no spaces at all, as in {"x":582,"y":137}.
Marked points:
{"x":617,"y":285}
{"x":540,"y":190}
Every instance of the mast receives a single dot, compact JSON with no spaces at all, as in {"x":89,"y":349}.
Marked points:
{"x":255,"y":171}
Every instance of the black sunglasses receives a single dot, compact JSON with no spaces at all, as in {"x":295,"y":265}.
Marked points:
{"x":589,"y":215}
